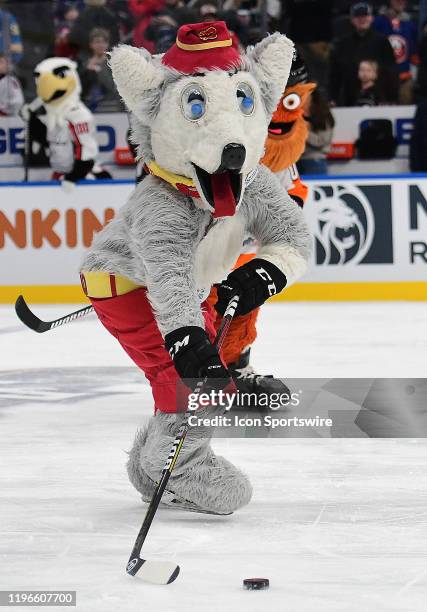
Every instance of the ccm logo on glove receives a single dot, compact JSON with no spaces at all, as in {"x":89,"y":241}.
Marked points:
{"x":194,"y":355}
{"x":178,"y":345}
{"x":266,"y":277}
{"x":254,"y":282}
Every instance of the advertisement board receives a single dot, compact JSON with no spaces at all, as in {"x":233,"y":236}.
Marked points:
{"x":112,"y":128}
{"x":111,"y":133}
{"x":369,"y":238}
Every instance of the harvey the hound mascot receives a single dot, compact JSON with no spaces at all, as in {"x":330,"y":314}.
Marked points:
{"x":201,"y":117}
{"x":61,"y":123}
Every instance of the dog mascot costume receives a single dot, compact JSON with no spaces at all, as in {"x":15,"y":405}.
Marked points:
{"x":68,"y":128}
{"x":287,"y":135}
{"x":201,"y":114}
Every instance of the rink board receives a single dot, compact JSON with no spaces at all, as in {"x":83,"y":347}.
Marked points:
{"x":369,"y":238}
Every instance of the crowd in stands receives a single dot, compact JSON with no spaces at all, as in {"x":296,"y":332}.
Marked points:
{"x":360,"y":53}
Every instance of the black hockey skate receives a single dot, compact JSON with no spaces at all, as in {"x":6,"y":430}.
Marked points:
{"x":252,"y":387}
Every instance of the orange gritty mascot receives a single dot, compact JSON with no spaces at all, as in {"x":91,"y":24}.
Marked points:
{"x":287,"y":135}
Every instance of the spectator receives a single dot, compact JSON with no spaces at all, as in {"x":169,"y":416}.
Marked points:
{"x":309,"y":24}
{"x":11,"y":96}
{"x":143,"y":11}
{"x":307,"y":21}
{"x":402,"y":33}
{"x":62,"y":45}
{"x":125,"y":20}
{"x":165,"y":23}
{"x":422,"y":16}
{"x":94,"y":15}
{"x":10,"y":37}
{"x":36,"y":22}
{"x":370,"y":92}
{"x":349,"y":50}
{"x":98,"y":89}
{"x":418,"y":145}
{"x":421,"y":88}
{"x":62,"y":6}
{"x":243,"y":26}
{"x":322,"y":123}
{"x":247,"y":19}
{"x":208,"y":11}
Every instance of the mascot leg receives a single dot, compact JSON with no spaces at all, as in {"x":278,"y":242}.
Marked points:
{"x":137,"y":476}
{"x":201,"y":481}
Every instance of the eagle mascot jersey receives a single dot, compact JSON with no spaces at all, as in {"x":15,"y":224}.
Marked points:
{"x":200,"y":118}
{"x":287,"y":135}
{"x":69,"y":129}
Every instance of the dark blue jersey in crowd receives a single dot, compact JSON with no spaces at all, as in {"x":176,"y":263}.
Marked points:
{"x":402,"y":35}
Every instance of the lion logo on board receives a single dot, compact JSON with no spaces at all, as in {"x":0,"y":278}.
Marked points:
{"x":345,"y":225}
{"x":208,"y":33}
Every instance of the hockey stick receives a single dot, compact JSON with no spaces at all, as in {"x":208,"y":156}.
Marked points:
{"x":165,"y":572}
{"x":29,"y":319}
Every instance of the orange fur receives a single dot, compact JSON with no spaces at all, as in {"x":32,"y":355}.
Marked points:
{"x":281,"y":151}
{"x":242,"y":331}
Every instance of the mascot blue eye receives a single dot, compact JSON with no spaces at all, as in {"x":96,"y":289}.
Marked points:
{"x":247,"y":104}
{"x":193,"y":102}
{"x":197,"y":110}
{"x":245,"y":97}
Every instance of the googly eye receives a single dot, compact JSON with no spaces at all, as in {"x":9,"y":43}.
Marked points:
{"x":193,"y":102}
{"x":246,"y":99}
{"x":292,"y":101}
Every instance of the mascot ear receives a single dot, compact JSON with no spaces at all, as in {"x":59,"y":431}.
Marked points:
{"x":271,"y":61}
{"x":134,"y":73}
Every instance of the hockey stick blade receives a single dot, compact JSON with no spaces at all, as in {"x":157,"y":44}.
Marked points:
{"x":28,"y":318}
{"x":155,"y":572}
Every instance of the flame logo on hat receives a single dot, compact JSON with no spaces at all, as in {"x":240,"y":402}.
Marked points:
{"x":209,"y":33}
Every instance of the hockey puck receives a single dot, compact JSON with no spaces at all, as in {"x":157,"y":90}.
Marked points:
{"x":256,"y":584}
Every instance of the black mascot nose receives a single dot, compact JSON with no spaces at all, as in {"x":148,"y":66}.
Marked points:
{"x":233,"y":156}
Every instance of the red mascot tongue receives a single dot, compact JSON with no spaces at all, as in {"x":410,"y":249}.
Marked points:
{"x":223,"y":197}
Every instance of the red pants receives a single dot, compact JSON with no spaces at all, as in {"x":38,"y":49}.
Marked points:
{"x":129,"y":318}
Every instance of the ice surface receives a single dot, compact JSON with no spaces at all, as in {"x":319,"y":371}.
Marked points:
{"x":337,"y":525}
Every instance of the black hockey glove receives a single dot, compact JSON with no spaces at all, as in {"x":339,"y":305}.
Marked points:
{"x":255,"y":282}
{"x":79,"y":171}
{"x":193,"y":354}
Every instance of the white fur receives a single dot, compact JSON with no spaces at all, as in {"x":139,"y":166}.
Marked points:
{"x":271,"y":61}
{"x":135,"y":72}
{"x":178,"y":143}
{"x":210,"y":482}
{"x":287,"y":259}
{"x":273,"y":56}
{"x":217,"y":252}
